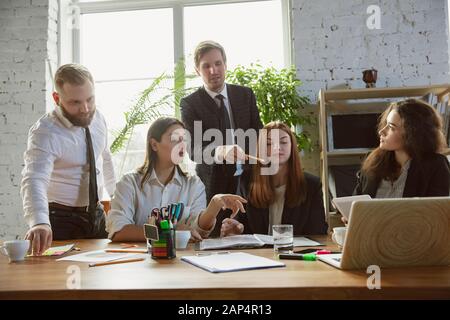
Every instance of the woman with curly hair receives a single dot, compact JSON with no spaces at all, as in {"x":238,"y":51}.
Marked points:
{"x":408,"y":161}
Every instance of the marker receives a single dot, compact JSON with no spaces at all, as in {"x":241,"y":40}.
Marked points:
{"x":164,"y":225}
{"x":298,"y":256}
{"x":173,"y":210}
{"x":177,"y":212}
{"x":180,"y":212}
{"x":323,"y":251}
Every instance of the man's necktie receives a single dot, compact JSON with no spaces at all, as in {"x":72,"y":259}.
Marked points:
{"x":93,"y":195}
{"x":225,"y":122}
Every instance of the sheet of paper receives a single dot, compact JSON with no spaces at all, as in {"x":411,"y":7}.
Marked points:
{"x":240,"y":241}
{"x":99,"y":256}
{"x":234,"y":261}
{"x":344,"y":204}
{"x":298,"y":241}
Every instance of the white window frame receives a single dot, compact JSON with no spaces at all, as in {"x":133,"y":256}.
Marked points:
{"x":69,"y":38}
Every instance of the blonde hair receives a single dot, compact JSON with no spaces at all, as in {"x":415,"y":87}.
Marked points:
{"x":206,"y":46}
{"x":72,"y":73}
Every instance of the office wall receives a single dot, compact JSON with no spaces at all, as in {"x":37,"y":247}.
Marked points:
{"x":28,"y":38}
{"x":332,"y":45}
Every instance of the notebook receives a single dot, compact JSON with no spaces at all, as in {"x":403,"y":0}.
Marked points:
{"x":249,"y":241}
{"x":227,"y":262}
{"x":57,"y":251}
{"x":396,"y":233}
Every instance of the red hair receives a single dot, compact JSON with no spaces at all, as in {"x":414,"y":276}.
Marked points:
{"x":262,"y":190}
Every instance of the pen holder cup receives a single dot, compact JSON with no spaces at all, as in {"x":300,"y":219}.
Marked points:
{"x":164,"y":248}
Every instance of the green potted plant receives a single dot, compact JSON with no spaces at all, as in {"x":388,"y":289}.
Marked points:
{"x":276,"y":96}
{"x":143,"y":110}
{"x":148,"y":103}
{"x":147,"y":107}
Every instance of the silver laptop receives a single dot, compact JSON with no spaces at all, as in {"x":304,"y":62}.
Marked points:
{"x":396,"y":233}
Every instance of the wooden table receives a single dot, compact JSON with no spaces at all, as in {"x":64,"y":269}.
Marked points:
{"x":45,"y":278}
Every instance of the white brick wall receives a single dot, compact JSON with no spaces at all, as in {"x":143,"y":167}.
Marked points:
{"x":332,"y":43}
{"x":25,"y":44}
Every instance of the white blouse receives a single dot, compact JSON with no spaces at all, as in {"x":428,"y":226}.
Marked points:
{"x":133,"y":205}
{"x":276,"y":208}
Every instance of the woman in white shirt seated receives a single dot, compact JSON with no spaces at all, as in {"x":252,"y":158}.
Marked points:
{"x":160,"y":182}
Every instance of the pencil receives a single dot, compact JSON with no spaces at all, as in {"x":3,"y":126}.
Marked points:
{"x":128,"y":245}
{"x":115,"y":262}
{"x":126,"y":250}
{"x":262,"y":161}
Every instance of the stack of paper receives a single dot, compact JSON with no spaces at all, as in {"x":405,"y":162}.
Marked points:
{"x":250,"y":241}
{"x":227,"y":262}
{"x":238,"y":241}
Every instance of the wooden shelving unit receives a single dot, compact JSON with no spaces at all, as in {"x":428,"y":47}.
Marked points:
{"x":354,"y":101}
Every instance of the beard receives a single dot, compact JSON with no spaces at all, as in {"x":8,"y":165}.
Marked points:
{"x":81,"y":120}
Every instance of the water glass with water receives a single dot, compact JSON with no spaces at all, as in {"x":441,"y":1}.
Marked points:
{"x":283,"y":237}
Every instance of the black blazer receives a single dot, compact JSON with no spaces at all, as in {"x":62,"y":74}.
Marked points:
{"x":429,"y":177}
{"x":199,"y":106}
{"x":307,"y":218}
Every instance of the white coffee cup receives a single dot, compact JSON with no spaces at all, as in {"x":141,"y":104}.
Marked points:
{"x":338,"y":235}
{"x":16,"y":250}
{"x":182,"y":238}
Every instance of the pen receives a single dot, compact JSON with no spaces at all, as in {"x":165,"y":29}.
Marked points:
{"x":211,"y":253}
{"x":115,"y":262}
{"x":128,"y":245}
{"x":298,"y":256}
{"x":126,"y":250}
{"x":175,"y":222}
{"x":167,"y":211}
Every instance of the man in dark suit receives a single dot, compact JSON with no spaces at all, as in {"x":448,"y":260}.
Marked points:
{"x":221,"y":106}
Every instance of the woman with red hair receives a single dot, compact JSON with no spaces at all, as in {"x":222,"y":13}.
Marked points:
{"x":285,"y":196}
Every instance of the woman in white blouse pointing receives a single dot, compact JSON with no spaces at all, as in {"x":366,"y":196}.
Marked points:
{"x":160,"y":182}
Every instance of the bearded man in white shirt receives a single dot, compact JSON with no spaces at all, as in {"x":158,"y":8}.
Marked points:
{"x":67,"y":165}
